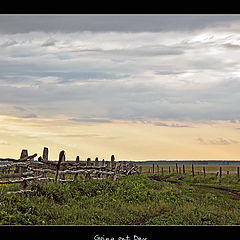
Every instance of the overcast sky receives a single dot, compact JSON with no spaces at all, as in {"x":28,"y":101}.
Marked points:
{"x":96,"y":69}
{"x":133,"y":67}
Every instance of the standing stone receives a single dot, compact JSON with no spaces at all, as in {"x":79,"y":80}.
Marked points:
{"x":77,"y":159}
{"x":103,"y":163}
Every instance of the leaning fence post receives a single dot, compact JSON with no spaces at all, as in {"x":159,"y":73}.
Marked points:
{"x":61,"y":159}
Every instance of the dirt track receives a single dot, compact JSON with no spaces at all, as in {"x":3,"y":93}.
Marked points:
{"x":234,"y":193}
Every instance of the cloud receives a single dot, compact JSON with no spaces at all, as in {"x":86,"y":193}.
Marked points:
{"x":130,"y":68}
{"x":75,"y":135}
{"x":31,"y":115}
{"x":3,"y":142}
{"x":218,"y":141}
{"x":49,"y":42}
{"x":90,"y":120}
{"x":170,"y":125}
{"x":8,"y":43}
{"x":112,"y":22}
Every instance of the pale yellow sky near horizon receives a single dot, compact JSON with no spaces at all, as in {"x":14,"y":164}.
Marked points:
{"x":125,"y":139}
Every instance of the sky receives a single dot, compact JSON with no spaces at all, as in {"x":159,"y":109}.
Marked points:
{"x":141,"y":87}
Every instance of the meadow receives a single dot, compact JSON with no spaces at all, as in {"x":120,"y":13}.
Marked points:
{"x":146,"y":199}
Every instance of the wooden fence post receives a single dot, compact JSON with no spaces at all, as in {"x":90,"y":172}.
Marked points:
{"x":88,"y":161}
{"x":238,"y":171}
{"x":204,"y":171}
{"x":192,"y":170}
{"x":157,"y":168}
{"x":183,"y":168}
{"x":176,"y":168}
{"x":112,"y":161}
{"x":24,"y":153}
{"x":77,"y":161}
{"x":96,"y":161}
{"x":162,"y":171}
{"x":169,"y":169}
{"x":61,"y":159}
{"x":179,"y":170}
{"x":20,"y":170}
{"x":103,"y":163}
{"x":220,"y":172}
{"x":153,"y":168}
{"x":124,"y":165}
{"x":140,"y":169}
{"x":45,"y":154}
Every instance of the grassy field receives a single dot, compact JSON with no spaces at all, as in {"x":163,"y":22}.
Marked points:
{"x":147,"y":199}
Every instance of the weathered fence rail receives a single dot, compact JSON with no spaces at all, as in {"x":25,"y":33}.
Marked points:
{"x":27,"y":170}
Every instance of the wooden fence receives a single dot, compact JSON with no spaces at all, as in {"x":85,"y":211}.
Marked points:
{"x":26,"y":170}
{"x":193,"y":171}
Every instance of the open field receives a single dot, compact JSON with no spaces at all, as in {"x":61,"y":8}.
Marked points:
{"x":146,"y":199}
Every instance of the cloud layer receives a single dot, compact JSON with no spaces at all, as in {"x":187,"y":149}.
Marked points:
{"x":101,"y":68}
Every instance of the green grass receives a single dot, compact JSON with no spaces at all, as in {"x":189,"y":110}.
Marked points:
{"x":133,"y":200}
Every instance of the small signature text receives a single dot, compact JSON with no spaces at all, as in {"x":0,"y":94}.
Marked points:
{"x":134,"y":237}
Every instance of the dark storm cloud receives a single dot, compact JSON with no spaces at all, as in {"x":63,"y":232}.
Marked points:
{"x":110,"y":22}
